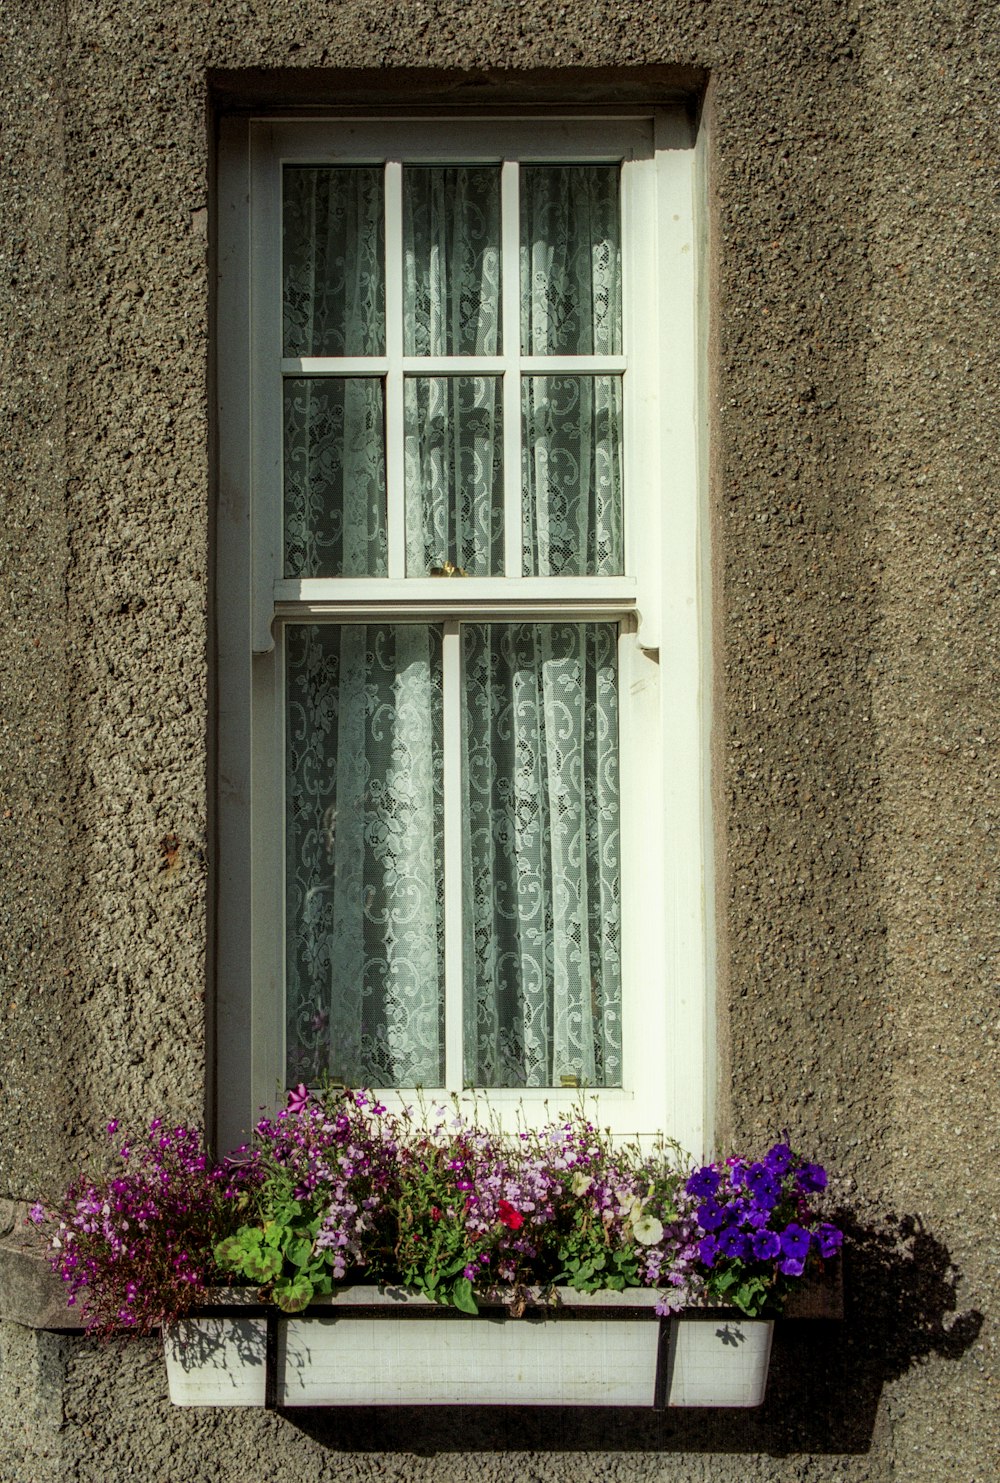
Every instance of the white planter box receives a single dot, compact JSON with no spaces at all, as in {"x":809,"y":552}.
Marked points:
{"x":369,"y":1348}
{"x":718,"y":1361}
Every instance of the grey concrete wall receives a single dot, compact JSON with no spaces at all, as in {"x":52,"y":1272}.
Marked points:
{"x":853,"y":219}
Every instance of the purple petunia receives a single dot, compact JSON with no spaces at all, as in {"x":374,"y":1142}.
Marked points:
{"x":703,"y":1183}
{"x":778,"y":1159}
{"x":795,"y":1248}
{"x":707,"y":1248}
{"x":733,"y":1244}
{"x":811,"y":1177}
{"x":711,"y":1215}
{"x":828,"y":1239}
{"x":765,"y":1245}
{"x":762,"y":1186}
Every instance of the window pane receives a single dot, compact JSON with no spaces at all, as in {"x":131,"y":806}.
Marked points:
{"x":334,"y":477}
{"x":454,"y":474}
{"x":334,"y":252}
{"x":571,"y":260}
{"x":451,"y":260}
{"x":364,"y":852}
{"x":571,"y":458}
{"x":542,"y":866}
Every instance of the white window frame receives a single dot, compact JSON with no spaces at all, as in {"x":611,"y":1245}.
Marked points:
{"x":660,"y":604}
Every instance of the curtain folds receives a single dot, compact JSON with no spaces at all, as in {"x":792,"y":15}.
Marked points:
{"x":365,"y":761}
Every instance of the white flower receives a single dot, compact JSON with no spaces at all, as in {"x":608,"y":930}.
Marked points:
{"x":647,"y":1229}
{"x":581,"y":1183}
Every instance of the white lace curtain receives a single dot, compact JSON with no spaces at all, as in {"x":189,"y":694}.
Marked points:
{"x":364,"y":751}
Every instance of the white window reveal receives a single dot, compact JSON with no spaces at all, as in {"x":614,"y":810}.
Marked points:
{"x":461,"y":720}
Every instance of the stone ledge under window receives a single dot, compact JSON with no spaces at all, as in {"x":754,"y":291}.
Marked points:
{"x":32,"y":1295}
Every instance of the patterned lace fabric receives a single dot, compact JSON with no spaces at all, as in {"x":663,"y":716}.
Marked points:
{"x":454,"y":474}
{"x":364,"y":833}
{"x":334,"y":466}
{"x":333,"y":241}
{"x":542,"y":862}
{"x":571,"y":456}
{"x":571,"y":260}
{"x":365,"y":771}
{"x":451,"y":261}
{"x":364,"y":852}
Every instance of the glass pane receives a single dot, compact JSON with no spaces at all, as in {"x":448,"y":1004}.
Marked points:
{"x":454,"y":474}
{"x":571,"y":260}
{"x":334,"y":477}
{"x":364,"y":852}
{"x":334,"y":255}
{"x":571,"y":465}
{"x":542,"y":917}
{"x":451,"y":260}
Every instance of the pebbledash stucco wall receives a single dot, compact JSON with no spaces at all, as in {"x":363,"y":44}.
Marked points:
{"x":852,"y":223}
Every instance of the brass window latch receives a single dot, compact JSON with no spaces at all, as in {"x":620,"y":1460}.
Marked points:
{"x":448,"y":569}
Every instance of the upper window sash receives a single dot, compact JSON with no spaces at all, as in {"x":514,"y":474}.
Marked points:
{"x":510,"y":144}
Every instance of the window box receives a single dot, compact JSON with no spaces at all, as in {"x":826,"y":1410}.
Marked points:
{"x":371,"y":1347}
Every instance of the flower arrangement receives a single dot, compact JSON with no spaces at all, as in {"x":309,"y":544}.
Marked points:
{"x":337,"y":1189}
{"x":134,"y":1243}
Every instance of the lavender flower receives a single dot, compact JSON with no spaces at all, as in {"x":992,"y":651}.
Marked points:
{"x":336,"y":1188}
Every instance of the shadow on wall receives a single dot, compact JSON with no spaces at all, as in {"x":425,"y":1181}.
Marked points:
{"x":825,"y":1380}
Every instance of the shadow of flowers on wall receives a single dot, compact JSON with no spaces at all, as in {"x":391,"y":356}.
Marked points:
{"x":826,"y":1377}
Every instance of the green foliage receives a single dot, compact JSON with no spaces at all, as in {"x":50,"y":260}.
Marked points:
{"x":434,"y":1250}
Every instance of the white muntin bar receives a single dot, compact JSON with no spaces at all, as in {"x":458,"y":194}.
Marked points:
{"x":454,"y":365}
{"x":451,"y":661}
{"x":573,"y":365}
{"x":335,"y":365}
{"x":511,"y":329}
{"x":394,"y":415}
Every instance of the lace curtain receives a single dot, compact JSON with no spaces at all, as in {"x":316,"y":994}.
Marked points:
{"x":541,"y":862}
{"x":364,"y":850}
{"x":364,"y":749}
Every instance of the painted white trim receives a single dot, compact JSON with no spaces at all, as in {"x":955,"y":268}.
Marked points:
{"x":456,"y":365}
{"x":395,"y":414}
{"x":681,"y":649}
{"x":481,"y":141}
{"x":510,"y":258}
{"x":661,"y":604}
{"x":233,"y":644}
{"x":451,"y":665}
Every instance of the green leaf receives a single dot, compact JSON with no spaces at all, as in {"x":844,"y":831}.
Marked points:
{"x":263,"y":1266}
{"x":292,"y":1297}
{"x":462,"y":1296}
{"x":299,"y":1253}
{"x":230,"y":1254}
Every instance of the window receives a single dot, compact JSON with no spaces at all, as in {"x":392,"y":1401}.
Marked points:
{"x":461,"y":740}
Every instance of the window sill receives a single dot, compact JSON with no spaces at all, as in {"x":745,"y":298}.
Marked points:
{"x":370,"y":1347}
{"x":367,"y":1346}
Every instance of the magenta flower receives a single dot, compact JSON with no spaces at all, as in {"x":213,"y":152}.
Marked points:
{"x":298,"y":1100}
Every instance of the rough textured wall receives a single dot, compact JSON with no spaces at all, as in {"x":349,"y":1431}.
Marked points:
{"x":36,"y":1003}
{"x":853,"y":221}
